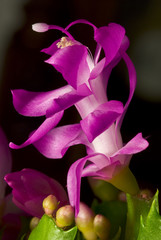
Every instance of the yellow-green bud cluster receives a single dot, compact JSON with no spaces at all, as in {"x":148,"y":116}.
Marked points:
{"x":63,"y":216}
{"x":92,"y":226}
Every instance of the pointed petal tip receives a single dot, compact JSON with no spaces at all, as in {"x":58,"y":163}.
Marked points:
{"x":40,"y":27}
{"x":13,"y":146}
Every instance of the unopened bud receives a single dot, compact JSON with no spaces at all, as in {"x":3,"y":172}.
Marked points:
{"x":65,"y":216}
{"x":146,"y":194}
{"x":34,"y":222}
{"x":101,"y":226}
{"x":84,"y":222}
{"x":50,"y":203}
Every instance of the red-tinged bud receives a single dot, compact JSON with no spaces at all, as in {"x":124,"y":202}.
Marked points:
{"x":145,"y":194}
{"x":101,"y":226}
{"x":34,"y":222}
{"x":50,"y":203}
{"x":84,"y":222}
{"x":65,"y":216}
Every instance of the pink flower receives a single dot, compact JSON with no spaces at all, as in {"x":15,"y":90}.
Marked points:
{"x":30,"y":187}
{"x":87,"y":80}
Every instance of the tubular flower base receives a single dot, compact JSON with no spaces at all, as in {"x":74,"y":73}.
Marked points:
{"x":99,"y":129}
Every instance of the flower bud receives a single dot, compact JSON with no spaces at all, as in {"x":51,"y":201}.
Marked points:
{"x":65,"y":216}
{"x":146,"y":194}
{"x":101,"y":226}
{"x":34,"y":222}
{"x":50,"y":203}
{"x":84,"y":222}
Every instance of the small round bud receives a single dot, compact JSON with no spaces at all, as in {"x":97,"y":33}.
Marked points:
{"x":34,"y":222}
{"x":146,"y":194}
{"x":101,"y":226}
{"x":84,"y":222}
{"x":50,"y":203}
{"x":65,"y":216}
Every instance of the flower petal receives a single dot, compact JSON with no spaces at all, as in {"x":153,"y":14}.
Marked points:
{"x":135,"y":145}
{"x":75,"y":174}
{"x":132,"y":81}
{"x":30,"y":187}
{"x":44,"y":128}
{"x":56,"y":142}
{"x":71,"y":62}
{"x":100,"y":119}
{"x":110,"y":38}
{"x":68,"y":99}
{"x":36,"y":103}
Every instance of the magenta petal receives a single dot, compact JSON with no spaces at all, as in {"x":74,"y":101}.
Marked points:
{"x":44,"y":128}
{"x":52,"y":48}
{"x":99,"y":120}
{"x":132,"y":81}
{"x":110,"y":38}
{"x":5,"y":162}
{"x":71,"y":61}
{"x":135,"y":145}
{"x":36,"y":103}
{"x":56,"y":142}
{"x":30,"y":187}
{"x":75,"y":174}
{"x":68,"y":99}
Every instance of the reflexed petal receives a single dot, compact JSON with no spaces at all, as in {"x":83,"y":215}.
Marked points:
{"x":75,"y":174}
{"x":110,"y":38}
{"x":30,"y":187}
{"x":135,"y":145}
{"x":52,"y":48}
{"x":132,"y":81}
{"x":56,"y":142}
{"x":44,"y":128}
{"x":71,"y":61}
{"x":5,"y":162}
{"x":68,"y":99}
{"x":36,"y":103}
{"x":100,"y":119}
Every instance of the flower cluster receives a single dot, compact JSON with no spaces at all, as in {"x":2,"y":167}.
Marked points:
{"x":99,"y":128}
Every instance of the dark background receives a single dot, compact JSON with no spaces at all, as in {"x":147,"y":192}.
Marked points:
{"x":22,"y":66}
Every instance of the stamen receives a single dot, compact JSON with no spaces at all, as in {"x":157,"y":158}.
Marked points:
{"x":65,"y":42}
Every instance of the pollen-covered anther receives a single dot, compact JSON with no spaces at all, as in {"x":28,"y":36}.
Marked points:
{"x":65,"y":42}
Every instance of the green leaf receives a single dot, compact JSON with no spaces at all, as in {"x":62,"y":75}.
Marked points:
{"x":47,"y":230}
{"x":116,"y":212}
{"x":143,"y":219}
{"x":136,"y":207}
{"x":150,"y":227}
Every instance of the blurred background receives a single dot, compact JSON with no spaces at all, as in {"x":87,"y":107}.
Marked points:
{"x":22,"y":66}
